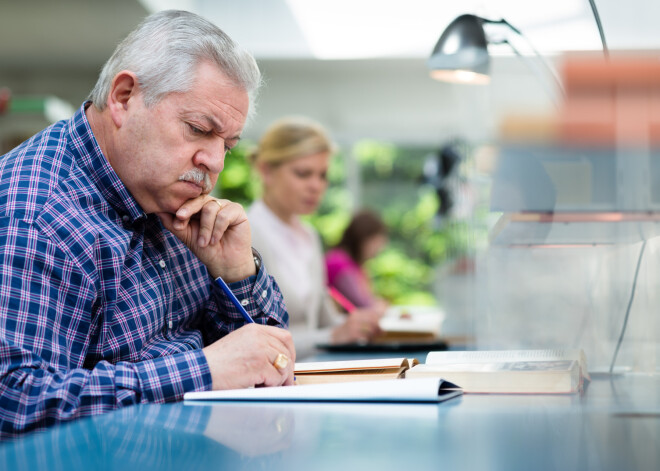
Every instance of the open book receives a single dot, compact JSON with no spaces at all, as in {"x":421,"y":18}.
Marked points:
{"x":351,"y":370}
{"x":508,"y":371}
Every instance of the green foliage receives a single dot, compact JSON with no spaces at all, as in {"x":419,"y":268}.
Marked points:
{"x":238,"y":181}
{"x":377,"y":156}
{"x":398,"y":277}
{"x":331,"y":226}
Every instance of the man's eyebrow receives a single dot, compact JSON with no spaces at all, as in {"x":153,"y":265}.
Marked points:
{"x":215,"y":124}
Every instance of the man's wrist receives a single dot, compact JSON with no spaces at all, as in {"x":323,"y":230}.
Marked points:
{"x":245,"y":270}
{"x":239,"y":273}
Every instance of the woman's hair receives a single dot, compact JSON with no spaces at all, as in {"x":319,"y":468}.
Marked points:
{"x":364,"y":225}
{"x":164,"y":52}
{"x":290,"y":138}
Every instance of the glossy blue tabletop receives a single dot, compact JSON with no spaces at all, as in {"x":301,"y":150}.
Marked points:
{"x":614,"y":425}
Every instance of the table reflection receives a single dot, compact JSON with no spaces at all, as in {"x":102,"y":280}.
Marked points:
{"x":204,"y":435}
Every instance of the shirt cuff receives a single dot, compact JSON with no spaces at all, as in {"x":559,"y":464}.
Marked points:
{"x":258,"y":294}
{"x":167,"y":378}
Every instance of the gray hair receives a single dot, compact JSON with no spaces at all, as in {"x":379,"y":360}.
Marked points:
{"x":164,"y":51}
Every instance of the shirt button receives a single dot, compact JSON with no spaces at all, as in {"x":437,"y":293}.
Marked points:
{"x":125,"y":218}
{"x":245,"y":302}
{"x":264,"y":293}
{"x":162,"y":264}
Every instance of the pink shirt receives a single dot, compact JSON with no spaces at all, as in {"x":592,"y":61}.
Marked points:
{"x":348,"y":278}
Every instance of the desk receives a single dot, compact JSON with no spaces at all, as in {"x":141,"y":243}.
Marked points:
{"x":615,"y":425}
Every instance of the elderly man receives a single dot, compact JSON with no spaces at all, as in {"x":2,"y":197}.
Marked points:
{"x":110,"y":245}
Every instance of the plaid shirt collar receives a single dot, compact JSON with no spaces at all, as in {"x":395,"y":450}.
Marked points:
{"x":95,"y":165}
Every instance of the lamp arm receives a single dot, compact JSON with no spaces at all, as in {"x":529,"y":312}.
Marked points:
{"x":531,"y":46}
{"x":606,"y":51}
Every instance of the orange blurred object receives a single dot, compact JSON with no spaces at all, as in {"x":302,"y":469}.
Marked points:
{"x":608,"y":102}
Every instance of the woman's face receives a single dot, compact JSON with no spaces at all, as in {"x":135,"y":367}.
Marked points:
{"x":296,"y":187}
{"x":373,"y":246}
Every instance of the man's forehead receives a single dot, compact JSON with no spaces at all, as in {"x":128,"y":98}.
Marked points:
{"x":217,"y":98}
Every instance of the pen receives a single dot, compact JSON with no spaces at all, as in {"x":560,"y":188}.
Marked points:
{"x":341,"y":299}
{"x":221,"y":283}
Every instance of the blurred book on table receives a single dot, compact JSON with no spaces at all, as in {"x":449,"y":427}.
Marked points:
{"x":410,"y":323}
{"x":404,"y":329}
{"x":552,"y":371}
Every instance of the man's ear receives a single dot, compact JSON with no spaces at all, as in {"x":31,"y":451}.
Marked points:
{"x":124,"y":87}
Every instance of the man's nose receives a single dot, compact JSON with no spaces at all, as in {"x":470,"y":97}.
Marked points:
{"x":212,"y":156}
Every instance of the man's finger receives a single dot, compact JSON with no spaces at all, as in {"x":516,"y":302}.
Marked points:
{"x":284,"y":339}
{"x":191,"y":207}
{"x":208,"y":222}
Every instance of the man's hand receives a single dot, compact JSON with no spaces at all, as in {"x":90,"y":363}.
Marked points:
{"x":244,"y":358}
{"x":218,"y":233}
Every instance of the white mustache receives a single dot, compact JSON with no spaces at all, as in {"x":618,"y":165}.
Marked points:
{"x":198,"y":177}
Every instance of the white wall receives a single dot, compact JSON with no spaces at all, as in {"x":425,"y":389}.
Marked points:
{"x":395,"y":100}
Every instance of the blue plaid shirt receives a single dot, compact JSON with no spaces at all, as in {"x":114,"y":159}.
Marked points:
{"x":100,"y":306}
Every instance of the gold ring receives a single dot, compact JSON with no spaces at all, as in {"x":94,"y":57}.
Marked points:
{"x":281,"y":361}
{"x":219,"y":203}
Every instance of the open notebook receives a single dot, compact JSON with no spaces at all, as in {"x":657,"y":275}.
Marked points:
{"x":387,"y":390}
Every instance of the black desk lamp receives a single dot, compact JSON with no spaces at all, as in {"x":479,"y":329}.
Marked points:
{"x":461,"y":53}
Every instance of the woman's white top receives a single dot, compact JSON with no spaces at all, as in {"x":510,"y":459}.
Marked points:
{"x":293,"y":255}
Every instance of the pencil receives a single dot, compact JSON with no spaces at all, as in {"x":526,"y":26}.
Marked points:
{"x":221,"y":283}
{"x":341,"y":299}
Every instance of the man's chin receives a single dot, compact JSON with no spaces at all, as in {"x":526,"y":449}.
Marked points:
{"x":180,"y":202}
{"x":172,"y":206}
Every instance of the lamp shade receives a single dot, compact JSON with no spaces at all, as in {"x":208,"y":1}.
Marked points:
{"x":461,"y":53}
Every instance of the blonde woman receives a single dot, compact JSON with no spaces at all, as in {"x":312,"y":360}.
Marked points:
{"x":293,"y":158}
